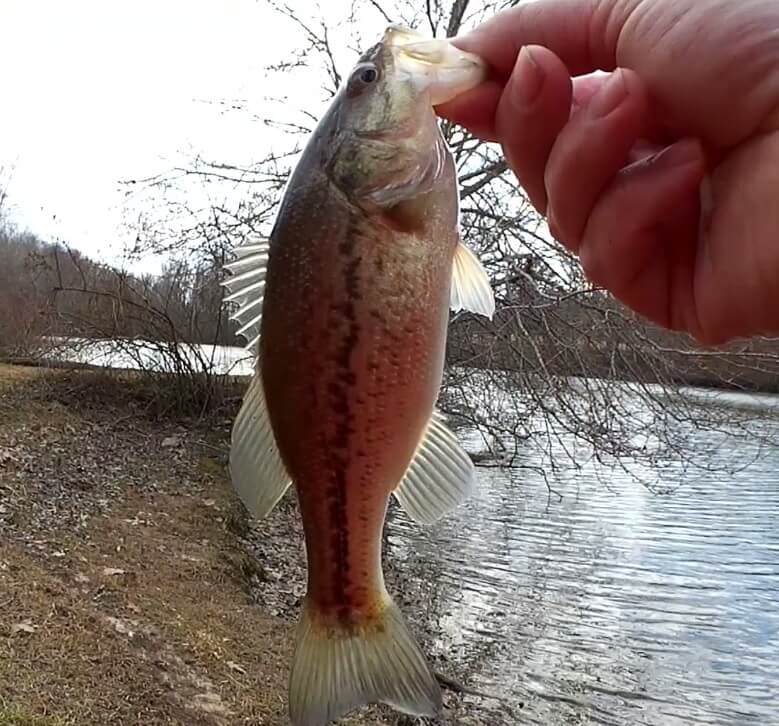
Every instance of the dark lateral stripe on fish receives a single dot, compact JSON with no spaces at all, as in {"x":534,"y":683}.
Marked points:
{"x":337,"y":493}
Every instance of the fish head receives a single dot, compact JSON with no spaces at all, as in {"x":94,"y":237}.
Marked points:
{"x":406,"y":71}
{"x":385,"y":130}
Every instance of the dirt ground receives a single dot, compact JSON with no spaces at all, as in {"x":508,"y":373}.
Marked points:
{"x":127,"y":591}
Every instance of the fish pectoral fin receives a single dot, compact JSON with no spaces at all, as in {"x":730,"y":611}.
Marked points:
{"x":471,"y":288}
{"x":246,"y":288}
{"x":258,"y":473}
{"x":339,"y":668}
{"x":440,"y":476}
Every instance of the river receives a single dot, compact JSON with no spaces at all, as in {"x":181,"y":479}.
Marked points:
{"x":610,"y":604}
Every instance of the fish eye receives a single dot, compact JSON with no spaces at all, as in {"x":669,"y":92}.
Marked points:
{"x":368,"y":75}
{"x":362,"y":78}
{"x":364,"y":75}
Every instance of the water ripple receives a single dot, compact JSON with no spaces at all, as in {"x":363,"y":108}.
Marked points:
{"x":615,"y":605}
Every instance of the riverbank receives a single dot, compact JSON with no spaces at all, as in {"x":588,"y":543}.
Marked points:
{"x":750,"y":366}
{"x":132,"y":588}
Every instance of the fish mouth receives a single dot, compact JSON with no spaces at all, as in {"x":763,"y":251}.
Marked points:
{"x":434,"y":65}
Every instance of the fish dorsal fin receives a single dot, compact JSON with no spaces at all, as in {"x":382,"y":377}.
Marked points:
{"x":440,"y":476}
{"x":258,"y":473}
{"x":246,"y":288}
{"x":470,"y":285}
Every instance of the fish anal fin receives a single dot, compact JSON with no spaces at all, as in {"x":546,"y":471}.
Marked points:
{"x":471,"y":288}
{"x":257,"y":470}
{"x":439,"y":477}
{"x":337,"y":669}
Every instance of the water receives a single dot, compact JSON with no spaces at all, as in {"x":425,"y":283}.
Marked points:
{"x":129,"y":354}
{"x":611,"y":605}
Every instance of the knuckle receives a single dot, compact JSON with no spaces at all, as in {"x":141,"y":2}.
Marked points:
{"x":561,"y":232}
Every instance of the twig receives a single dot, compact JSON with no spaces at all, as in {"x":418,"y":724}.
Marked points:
{"x":221,"y":450}
{"x":456,"y":687}
{"x":383,"y":12}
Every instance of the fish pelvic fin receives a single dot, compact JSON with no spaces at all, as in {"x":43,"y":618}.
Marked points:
{"x":471,"y":288}
{"x":257,"y":470}
{"x":338,"y":668}
{"x":440,"y":476}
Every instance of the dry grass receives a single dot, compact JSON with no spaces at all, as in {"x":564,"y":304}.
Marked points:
{"x":124,"y":586}
{"x":10,"y":374}
{"x":10,"y":716}
{"x":142,"y":621}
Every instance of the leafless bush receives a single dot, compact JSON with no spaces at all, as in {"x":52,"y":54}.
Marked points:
{"x":168,"y":329}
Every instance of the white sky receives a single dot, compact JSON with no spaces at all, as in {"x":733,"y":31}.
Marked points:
{"x":94,"y":92}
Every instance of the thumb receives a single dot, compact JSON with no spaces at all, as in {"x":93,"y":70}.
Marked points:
{"x":582,"y":34}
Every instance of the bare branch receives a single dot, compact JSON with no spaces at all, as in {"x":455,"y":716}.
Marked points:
{"x":380,"y":9}
{"x":431,"y":19}
{"x":487,"y":174}
{"x":459,"y":7}
{"x":319,"y":40}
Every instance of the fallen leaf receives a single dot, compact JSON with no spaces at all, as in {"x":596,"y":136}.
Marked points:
{"x":233,"y":666}
{"x":23,"y":627}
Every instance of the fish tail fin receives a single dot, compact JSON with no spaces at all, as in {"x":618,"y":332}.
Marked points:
{"x":338,"y":668}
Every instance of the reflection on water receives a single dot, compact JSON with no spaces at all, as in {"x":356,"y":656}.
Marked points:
{"x":611,"y":605}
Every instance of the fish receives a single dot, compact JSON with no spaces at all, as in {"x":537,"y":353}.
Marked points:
{"x":346,"y":306}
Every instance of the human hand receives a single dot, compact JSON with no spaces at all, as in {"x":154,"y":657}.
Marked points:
{"x":616,"y":161}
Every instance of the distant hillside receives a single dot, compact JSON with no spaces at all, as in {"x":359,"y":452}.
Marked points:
{"x":47,"y":289}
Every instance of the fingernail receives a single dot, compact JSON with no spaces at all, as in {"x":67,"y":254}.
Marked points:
{"x":613,"y":92}
{"x":530,"y":77}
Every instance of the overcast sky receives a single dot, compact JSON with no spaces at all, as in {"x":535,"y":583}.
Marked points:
{"x":94,"y":92}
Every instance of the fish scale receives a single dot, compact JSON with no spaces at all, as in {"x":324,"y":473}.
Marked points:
{"x":352,"y":295}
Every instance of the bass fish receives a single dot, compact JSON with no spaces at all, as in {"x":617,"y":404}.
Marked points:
{"x":347,"y":306}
